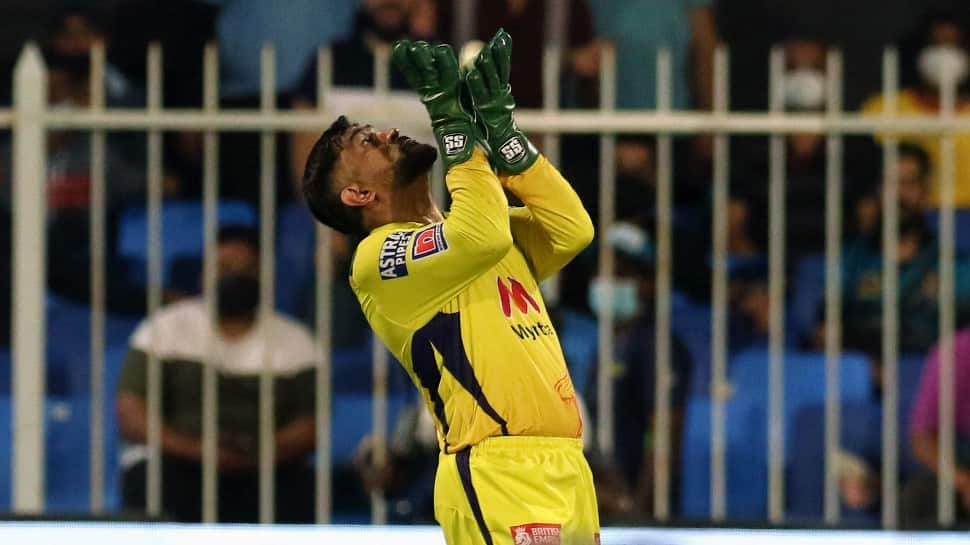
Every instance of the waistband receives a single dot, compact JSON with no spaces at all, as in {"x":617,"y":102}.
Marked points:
{"x":526,"y":442}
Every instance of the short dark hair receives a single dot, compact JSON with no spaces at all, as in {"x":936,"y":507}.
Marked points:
{"x":907,"y":149}
{"x":239,"y":233}
{"x":324,"y":202}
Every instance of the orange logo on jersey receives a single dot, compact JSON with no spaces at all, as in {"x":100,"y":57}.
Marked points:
{"x":515,"y":293}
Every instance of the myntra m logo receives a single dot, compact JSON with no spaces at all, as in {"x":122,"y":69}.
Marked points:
{"x":515,"y":292}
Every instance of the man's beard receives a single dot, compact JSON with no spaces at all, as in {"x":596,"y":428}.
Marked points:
{"x":415,"y":162}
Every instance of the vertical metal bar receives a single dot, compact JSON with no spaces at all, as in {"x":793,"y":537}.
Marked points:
{"x":947,"y":451}
{"x":267,"y":403}
{"x":776,"y":297}
{"x":833,"y":289}
{"x":210,"y":377}
{"x":382,"y":69}
{"x":154,"y":480}
{"x":664,"y":381}
{"x":29,"y":271}
{"x":97,"y":248}
{"x":377,"y":500}
{"x":890,"y":290}
{"x":719,"y":286}
{"x":607,"y":211}
{"x":551,"y":67}
{"x":324,"y":264}
{"x":379,"y":353}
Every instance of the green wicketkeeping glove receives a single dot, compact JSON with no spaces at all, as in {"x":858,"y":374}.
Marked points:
{"x":488,"y":81}
{"x":432,"y":71}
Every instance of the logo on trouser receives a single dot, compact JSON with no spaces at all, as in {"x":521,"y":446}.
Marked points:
{"x":536,"y":534}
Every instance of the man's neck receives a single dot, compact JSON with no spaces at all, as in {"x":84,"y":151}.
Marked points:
{"x":233,"y":329}
{"x":414,"y":203}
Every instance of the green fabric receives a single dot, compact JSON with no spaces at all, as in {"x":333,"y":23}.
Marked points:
{"x":488,"y":81}
{"x":238,"y":405}
{"x":432,"y":71}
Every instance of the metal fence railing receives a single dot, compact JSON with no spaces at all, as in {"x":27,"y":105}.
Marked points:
{"x":31,"y":119}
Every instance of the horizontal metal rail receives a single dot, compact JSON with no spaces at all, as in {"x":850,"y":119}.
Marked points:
{"x":570,"y":121}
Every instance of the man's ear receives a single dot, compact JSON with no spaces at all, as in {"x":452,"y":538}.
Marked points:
{"x":354,"y":195}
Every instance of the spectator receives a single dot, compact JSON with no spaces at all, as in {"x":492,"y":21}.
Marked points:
{"x":183,"y":340}
{"x":943,"y":43}
{"x":639,"y":28}
{"x":919,"y":498}
{"x":534,"y":24}
{"x":635,"y":349}
{"x":805,"y":85}
{"x":378,"y":23}
{"x":914,"y":180}
{"x":918,"y":290}
{"x":69,"y":192}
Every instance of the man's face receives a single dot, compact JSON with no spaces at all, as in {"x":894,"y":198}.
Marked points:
{"x":390,"y":18}
{"x":912,"y":185}
{"x":237,"y":258}
{"x":381,"y":161}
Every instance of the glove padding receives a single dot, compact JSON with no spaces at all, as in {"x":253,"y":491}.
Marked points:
{"x":432,"y":71}
{"x":488,"y":82}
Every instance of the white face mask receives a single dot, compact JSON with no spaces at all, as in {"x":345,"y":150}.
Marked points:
{"x":939,"y":61}
{"x":804,"y":89}
{"x":617,"y":297}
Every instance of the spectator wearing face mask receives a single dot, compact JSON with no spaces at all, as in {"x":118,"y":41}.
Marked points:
{"x":632,"y":308}
{"x":185,"y":342}
{"x":942,"y":50}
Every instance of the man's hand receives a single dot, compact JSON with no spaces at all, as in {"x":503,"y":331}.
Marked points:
{"x":433,"y":73}
{"x":491,"y":93}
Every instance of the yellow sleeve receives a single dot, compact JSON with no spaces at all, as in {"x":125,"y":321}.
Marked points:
{"x":410,"y":273}
{"x":552,"y":227}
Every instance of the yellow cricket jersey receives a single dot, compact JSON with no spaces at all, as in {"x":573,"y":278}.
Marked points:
{"x":458,"y":303}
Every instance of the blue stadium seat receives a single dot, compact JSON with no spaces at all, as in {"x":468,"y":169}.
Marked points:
{"x":804,"y":381}
{"x":692,"y":324}
{"x":68,"y":344}
{"x":6,"y":453}
{"x":67,"y":455}
{"x":353,"y":418}
{"x":746,"y":477}
{"x":578,"y":336}
{"x":860,"y":435}
{"x":181,"y":230}
{"x":747,"y":427}
{"x":295,"y":250}
{"x":962,"y":227}
{"x":808,"y":292}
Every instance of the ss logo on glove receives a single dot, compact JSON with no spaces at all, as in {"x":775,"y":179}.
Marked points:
{"x":454,"y":143}
{"x":512,"y":150}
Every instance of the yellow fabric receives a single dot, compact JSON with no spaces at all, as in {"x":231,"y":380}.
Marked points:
{"x":468,"y":322}
{"x":523,"y":485}
{"x":909,"y":104}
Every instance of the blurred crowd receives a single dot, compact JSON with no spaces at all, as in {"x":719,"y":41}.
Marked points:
{"x":932,"y":38}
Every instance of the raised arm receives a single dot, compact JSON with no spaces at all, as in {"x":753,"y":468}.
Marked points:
{"x":553,"y":227}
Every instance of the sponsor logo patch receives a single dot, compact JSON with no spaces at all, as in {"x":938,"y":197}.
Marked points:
{"x":512,"y":150}
{"x":454,"y":143}
{"x":515,"y":293}
{"x":428,"y":242}
{"x":536,"y":534}
{"x":393,"y":259}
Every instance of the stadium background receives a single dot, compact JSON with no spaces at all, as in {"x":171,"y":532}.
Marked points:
{"x":564,"y":63}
